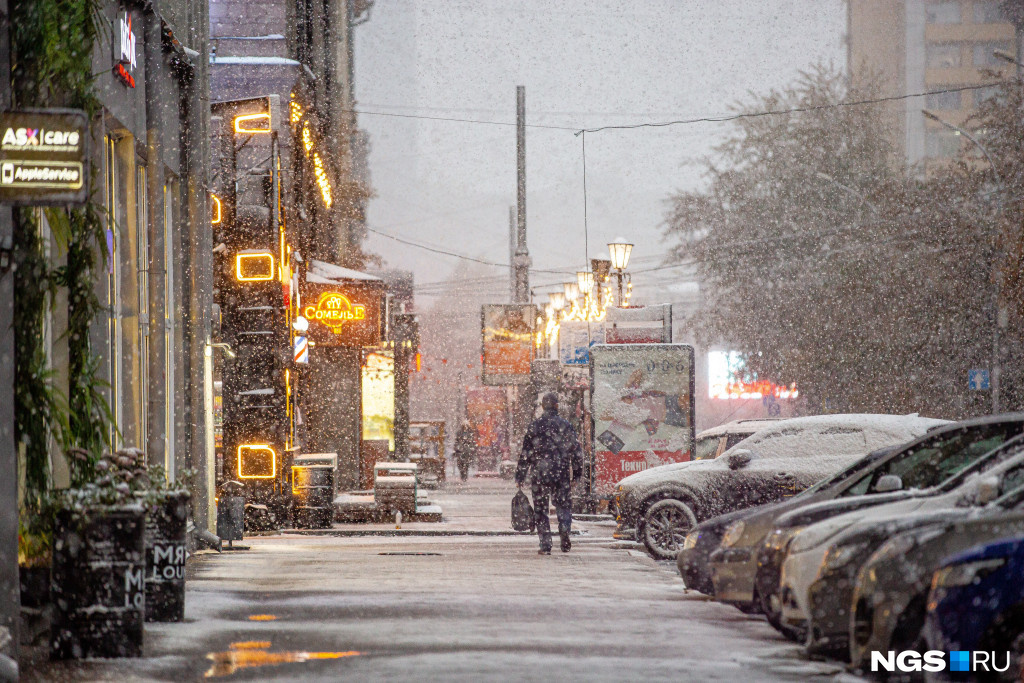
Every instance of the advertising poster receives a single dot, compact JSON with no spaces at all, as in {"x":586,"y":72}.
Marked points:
{"x":485,"y":410}
{"x":508,"y":343}
{"x":643,"y":409}
{"x":379,"y":398}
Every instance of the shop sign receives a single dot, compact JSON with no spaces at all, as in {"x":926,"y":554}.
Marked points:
{"x":342,"y":315}
{"x":124,"y":52}
{"x":508,"y":332}
{"x":43,"y":157}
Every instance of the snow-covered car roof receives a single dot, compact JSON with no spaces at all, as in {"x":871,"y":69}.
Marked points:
{"x":740,"y":427}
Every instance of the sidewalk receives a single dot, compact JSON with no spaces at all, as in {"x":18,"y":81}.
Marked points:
{"x":478,"y":507}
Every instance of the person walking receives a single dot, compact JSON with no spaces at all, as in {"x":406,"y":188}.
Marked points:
{"x":465,"y":448}
{"x":551,"y":452}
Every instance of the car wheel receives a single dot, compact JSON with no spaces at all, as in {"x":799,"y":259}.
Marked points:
{"x":666,"y":524}
{"x":771,"y":607}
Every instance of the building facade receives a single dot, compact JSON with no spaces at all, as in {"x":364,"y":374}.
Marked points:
{"x":917,"y":46}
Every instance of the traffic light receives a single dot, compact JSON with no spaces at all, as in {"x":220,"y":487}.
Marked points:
{"x":249,"y":276}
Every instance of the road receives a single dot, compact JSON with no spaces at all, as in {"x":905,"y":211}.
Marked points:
{"x":461,"y":607}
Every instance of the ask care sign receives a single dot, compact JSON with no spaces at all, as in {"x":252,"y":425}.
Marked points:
{"x":43,"y":156}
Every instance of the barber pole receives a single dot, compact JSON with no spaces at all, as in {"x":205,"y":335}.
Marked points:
{"x":301,"y":354}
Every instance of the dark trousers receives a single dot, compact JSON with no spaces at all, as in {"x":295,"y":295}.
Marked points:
{"x":542,"y":498}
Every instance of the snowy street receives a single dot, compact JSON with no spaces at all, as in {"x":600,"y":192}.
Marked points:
{"x":452,"y":608}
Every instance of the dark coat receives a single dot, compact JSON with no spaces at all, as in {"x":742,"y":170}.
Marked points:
{"x":465,"y":444}
{"x":551,"y":452}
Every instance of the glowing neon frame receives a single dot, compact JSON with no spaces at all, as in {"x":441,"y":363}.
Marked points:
{"x":258,"y":447}
{"x":254,"y":255}
{"x":252,"y":117}
{"x":217,"y":216}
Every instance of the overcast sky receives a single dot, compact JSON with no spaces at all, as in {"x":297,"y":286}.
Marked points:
{"x":585,"y":63}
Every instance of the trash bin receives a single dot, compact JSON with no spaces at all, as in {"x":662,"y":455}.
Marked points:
{"x":165,"y":558}
{"x":230,"y":517}
{"x":97,"y":583}
{"x":313,"y":493}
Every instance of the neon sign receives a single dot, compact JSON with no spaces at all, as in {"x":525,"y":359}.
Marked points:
{"x":252,"y":461}
{"x":127,"y":52}
{"x":253,"y":123}
{"x":725,"y":369}
{"x":254,"y":266}
{"x":216,"y":209}
{"x":333,"y":309}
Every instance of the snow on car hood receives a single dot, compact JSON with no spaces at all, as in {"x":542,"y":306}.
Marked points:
{"x":655,"y":473}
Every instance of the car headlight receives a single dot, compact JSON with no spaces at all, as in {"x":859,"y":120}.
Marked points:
{"x":966,"y":573}
{"x":838,"y":556}
{"x":732,"y":534}
{"x":690,"y":542}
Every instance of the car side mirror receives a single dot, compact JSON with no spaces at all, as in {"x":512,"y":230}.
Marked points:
{"x":739,"y":459}
{"x":888,"y":483}
{"x":987,"y":491}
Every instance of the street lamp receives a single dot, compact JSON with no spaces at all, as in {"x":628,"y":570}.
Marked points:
{"x":997,"y":260}
{"x":619,"y":250}
{"x":572,"y":292}
{"x":557,"y":300}
{"x":585,"y":280}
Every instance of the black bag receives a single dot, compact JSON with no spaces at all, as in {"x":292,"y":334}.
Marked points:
{"x":522,"y":513}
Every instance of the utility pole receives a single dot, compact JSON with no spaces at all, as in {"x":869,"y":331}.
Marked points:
{"x":521,"y":261}
{"x":513,"y":242}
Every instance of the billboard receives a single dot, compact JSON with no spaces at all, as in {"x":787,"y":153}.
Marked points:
{"x":728,"y":379}
{"x":486,"y":412}
{"x":508,"y":343}
{"x":643,"y":408}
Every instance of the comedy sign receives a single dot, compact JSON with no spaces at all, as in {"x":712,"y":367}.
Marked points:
{"x":643,"y":409}
{"x":43,"y":157}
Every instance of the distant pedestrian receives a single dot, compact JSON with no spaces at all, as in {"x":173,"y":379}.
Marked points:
{"x":551,"y":452}
{"x":465,"y":448}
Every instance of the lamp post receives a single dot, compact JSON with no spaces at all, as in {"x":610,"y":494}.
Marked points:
{"x":572,"y":292}
{"x":997,"y":261}
{"x":585,"y":280}
{"x":619,"y":250}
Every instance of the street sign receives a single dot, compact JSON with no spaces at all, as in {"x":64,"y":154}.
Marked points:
{"x":301,"y":351}
{"x":978,"y":380}
{"x":575,"y":339}
{"x":43,"y":157}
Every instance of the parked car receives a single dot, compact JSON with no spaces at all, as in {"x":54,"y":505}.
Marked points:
{"x":890,"y":595}
{"x":774,"y":550}
{"x":693,"y":558}
{"x":709,"y":444}
{"x":819,"y":572}
{"x":664,"y":503}
{"x":977,"y":603}
{"x":904,"y":471}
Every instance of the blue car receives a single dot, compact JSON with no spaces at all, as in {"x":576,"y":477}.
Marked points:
{"x":977,"y":603}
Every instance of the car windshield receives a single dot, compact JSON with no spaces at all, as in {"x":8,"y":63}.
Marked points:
{"x":706,"y":448}
{"x":936,"y":459}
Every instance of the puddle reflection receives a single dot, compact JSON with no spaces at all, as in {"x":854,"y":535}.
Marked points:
{"x":254,"y":653}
